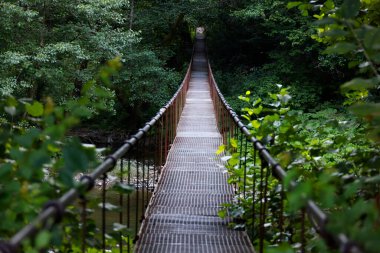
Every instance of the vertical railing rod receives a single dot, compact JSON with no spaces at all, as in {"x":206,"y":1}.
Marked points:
{"x":303,"y":231}
{"x":137,"y":158}
{"x":83,"y":202}
{"x":143,"y":183}
{"x":240,"y":143}
{"x":281,"y":216}
{"x":262,"y":210}
{"x":245,"y":166}
{"x":104,"y":212}
{"x":157,"y":149}
{"x":149,"y":167}
{"x":121,"y":204}
{"x":129,"y":205}
{"x":254,"y":186}
{"x":161,"y":149}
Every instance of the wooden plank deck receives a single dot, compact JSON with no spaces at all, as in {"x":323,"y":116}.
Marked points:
{"x":182,"y":216}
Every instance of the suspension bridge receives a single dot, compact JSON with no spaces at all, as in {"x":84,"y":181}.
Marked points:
{"x":183,"y":215}
{"x":181,"y":184}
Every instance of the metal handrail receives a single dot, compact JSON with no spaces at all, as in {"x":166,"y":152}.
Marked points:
{"x":54,"y":210}
{"x":317,"y":217}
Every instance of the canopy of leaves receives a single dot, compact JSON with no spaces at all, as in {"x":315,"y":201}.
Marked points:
{"x":52,"y":48}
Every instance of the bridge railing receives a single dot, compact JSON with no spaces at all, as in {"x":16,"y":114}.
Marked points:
{"x":254,"y":185}
{"x":136,"y":164}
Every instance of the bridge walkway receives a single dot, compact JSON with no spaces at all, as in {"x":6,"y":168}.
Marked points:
{"x":183,"y":213}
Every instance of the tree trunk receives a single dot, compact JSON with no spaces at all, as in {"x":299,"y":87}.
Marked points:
{"x":173,"y":30}
{"x":78,"y":84}
{"x":42,"y":31}
{"x":37,"y":85}
{"x":131,"y":14}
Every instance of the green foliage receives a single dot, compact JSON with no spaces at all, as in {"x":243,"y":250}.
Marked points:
{"x":38,"y":161}
{"x":51,"y":49}
{"x":352,"y":30}
{"x":262,"y":81}
{"x":326,"y":153}
{"x":267,"y":44}
{"x":142,"y":72}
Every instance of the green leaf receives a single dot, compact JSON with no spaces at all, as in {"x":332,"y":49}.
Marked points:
{"x":283,"y":91}
{"x":257,"y":110}
{"x":284,"y":98}
{"x":76,"y":158}
{"x":276,"y":104}
{"x":353,"y":64}
{"x":327,"y":199}
{"x":329,"y":5}
{"x":117,"y":227}
{"x":364,"y":64}
{"x":314,"y":142}
{"x":255,"y":124}
{"x":335,"y":33}
{"x":368,"y":109}
{"x":283,"y":248}
{"x":285,"y":127}
{"x":376,"y":58}
{"x":350,"y":8}
{"x":11,"y":110}
{"x":35,"y":110}
{"x":358,"y":84}
{"x":340,"y":48}
{"x":248,"y":110}
{"x":42,"y":239}
{"x":284,"y":110}
{"x":325,"y":21}
{"x":245,"y":117}
{"x":297,"y":144}
{"x":291,"y":5}
{"x":285,"y":158}
{"x":11,"y":101}
{"x":222,"y":213}
{"x":299,"y":195}
{"x":123,"y":188}
{"x":350,"y":190}
{"x":233,"y":161}
{"x":273,"y":96}
{"x":34,"y":161}
{"x":257,"y":101}
{"x":372,"y":39}
{"x":304,"y":12}
{"x":109,"y":207}
{"x":53,"y":148}
{"x":246,"y":99}
{"x":220,"y":149}
{"x":30,"y":136}
{"x":233,"y":143}
{"x":87,"y":86}
{"x":226,"y":158}
{"x":12,"y":186}
{"x":272,"y":118}
{"x":5,"y":169}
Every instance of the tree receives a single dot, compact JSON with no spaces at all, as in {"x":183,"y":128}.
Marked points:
{"x":53,"y":48}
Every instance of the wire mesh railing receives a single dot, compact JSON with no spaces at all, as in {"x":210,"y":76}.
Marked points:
{"x":136,"y":164}
{"x":272,"y":224}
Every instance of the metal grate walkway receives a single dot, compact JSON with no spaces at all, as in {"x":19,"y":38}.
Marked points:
{"x":182,"y":216}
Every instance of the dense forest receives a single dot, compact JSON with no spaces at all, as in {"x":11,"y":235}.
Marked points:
{"x":308,"y":75}
{"x":303,"y":75}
